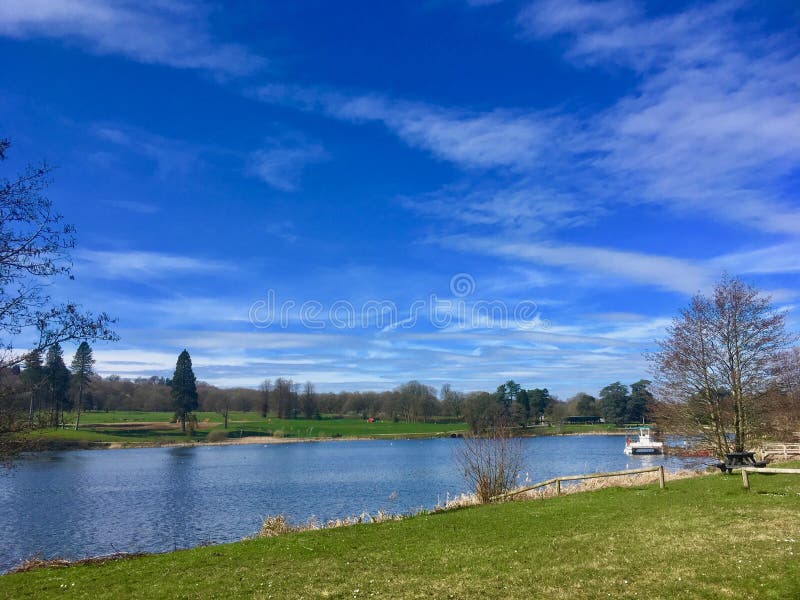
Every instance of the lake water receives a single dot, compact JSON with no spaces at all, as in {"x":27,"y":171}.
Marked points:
{"x":90,"y":502}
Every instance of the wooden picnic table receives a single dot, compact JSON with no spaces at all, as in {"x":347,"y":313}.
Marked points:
{"x":737,"y":460}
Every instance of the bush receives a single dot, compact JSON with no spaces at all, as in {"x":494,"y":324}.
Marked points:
{"x":491,"y":463}
{"x":274,"y":526}
{"x":217,"y":435}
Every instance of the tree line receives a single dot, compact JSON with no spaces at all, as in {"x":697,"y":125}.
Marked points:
{"x":48,"y":389}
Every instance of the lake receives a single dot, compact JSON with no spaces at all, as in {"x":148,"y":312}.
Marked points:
{"x":90,"y":502}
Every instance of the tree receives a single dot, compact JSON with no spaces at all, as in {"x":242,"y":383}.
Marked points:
{"x":483,"y":412}
{"x":524,"y":400}
{"x":716,"y":364}
{"x":749,"y":336}
{"x":614,"y":403}
{"x":452,"y":401}
{"x":184,"y":389}
{"x":491,"y":463}
{"x":415,"y":401}
{"x":284,"y":395}
{"x":35,"y":247}
{"x":308,"y":403}
{"x":639,"y":401}
{"x":266,"y":392}
{"x":585,"y":405}
{"x":82,"y":372}
{"x":539,"y":401}
{"x":57,"y":377}
{"x":33,"y":379}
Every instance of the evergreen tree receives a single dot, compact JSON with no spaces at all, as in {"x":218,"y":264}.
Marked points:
{"x":614,"y":403}
{"x":585,"y":404}
{"x":639,"y":401}
{"x":33,"y":379}
{"x":57,"y":379}
{"x":184,"y":389}
{"x":82,"y":371}
{"x":539,"y":401}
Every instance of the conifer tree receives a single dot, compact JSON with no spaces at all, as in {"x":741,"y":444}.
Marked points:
{"x":57,"y":377}
{"x":184,"y":389}
{"x":82,"y":371}
{"x":33,"y":379}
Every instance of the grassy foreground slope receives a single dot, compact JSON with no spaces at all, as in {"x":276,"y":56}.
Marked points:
{"x":699,"y":538}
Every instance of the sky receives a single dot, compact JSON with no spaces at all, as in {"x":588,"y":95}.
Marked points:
{"x":359,"y":194}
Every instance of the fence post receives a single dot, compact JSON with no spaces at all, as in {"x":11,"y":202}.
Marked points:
{"x":745,"y":479}
{"x":558,"y":487}
{"x":661,"y":477}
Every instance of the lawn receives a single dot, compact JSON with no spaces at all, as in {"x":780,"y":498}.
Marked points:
{"x":121,"y":427}
{"x":699,"y":538}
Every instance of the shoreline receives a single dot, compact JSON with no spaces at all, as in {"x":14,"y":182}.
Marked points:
{"x":62,"y":445}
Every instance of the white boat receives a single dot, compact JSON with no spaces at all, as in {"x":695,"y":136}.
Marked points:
{"x":644,"y":445}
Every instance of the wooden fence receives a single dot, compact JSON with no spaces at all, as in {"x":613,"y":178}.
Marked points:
{"x":779,"y":450}
{"x":557,"y":480}
{"x":747,"y":470}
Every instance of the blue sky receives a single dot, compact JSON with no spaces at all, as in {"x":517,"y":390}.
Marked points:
{"x":450,"y":191}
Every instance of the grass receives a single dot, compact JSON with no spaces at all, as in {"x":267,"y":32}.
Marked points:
{"x":700,"y":538}
{"x":119,"y":427}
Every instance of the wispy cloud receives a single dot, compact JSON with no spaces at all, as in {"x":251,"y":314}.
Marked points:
{"x":144,"y":208}
{"x":527,"y":204}
{"x":714,"y":125}
{"x":136,"y":265}
{"x":281,"y":163}
{"x":470,"y":139}
{"x":710,"y":128}
{"x":169,"y":32}
{"x":170,"y":156}
{"x":633,"y":267}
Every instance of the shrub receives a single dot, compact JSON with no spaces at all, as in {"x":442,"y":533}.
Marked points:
{"x":491,"y":463}
{"x":217,"y":435}
{"x":274,"y":526}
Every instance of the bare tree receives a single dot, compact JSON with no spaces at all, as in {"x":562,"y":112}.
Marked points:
{"x":491,"y":463}
{"x":717,"y":363}
{"x":35,"y":247}
{"x":308,"y":400}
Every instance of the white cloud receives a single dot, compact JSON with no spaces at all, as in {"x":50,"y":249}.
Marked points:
{"x":169,"y":155}
{"x":500,"y":138}
{"x":137,"y":265}
{"x":550,"y":17}
{"x":168,"y":32}
{"x":714,"y":125}
{"x":282,"y":164}
{"x":144,"y":208}
{"x":711,"y":128}
{"x":662,"y":271}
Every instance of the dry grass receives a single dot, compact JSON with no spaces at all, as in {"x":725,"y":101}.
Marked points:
{"x":275,"y":525}
{"x":60,"y":563}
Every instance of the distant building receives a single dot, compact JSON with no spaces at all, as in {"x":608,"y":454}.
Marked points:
{"x":581,"y":420}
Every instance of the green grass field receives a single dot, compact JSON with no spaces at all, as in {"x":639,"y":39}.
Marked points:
{"x":119,"y":427}
{"x":699,"y":538}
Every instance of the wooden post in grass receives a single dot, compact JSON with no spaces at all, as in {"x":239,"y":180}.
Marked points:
{"x":661,"y":477}
{"x":558,"y":487}
{"x":767,"y":470}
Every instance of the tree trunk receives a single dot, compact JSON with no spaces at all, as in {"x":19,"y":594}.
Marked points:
{"x":80,"y":398}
